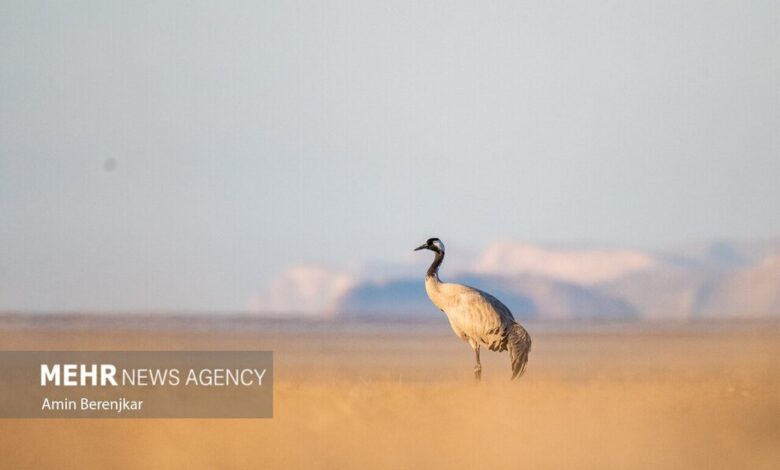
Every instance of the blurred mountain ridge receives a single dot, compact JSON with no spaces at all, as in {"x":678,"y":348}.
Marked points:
{"x":705,"y":279}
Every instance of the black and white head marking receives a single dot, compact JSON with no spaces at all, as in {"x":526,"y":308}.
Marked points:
{"x":434,"y":244}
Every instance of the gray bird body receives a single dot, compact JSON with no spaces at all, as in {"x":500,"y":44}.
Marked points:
{"x":476,"y":316}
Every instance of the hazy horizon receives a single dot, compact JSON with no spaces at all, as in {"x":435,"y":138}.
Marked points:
{"x":183,"y":156}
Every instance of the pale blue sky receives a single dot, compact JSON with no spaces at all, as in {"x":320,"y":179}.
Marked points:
{"x":251,"y":136}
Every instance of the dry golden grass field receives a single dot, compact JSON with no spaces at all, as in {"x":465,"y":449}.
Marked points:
{"x":378,"y":396}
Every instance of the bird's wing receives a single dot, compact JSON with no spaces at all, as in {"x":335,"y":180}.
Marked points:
{"x":479,"y":315}
{"x":485,"y":319}
{"x":519,"y":345}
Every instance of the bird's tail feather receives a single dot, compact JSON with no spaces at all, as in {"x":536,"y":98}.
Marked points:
{"x":519,"y":345}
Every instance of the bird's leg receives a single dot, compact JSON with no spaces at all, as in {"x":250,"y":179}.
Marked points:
{"x":478,"y":366}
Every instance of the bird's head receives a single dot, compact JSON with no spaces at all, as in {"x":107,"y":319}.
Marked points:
{"x":433,"y":244}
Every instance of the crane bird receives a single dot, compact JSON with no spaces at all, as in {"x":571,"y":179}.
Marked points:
{"x":476,"y":316}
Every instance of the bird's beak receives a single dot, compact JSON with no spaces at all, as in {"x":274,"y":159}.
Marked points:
{"x":421,"y":247}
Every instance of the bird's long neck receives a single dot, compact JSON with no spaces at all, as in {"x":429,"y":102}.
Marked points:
{"x":433,"y":271}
